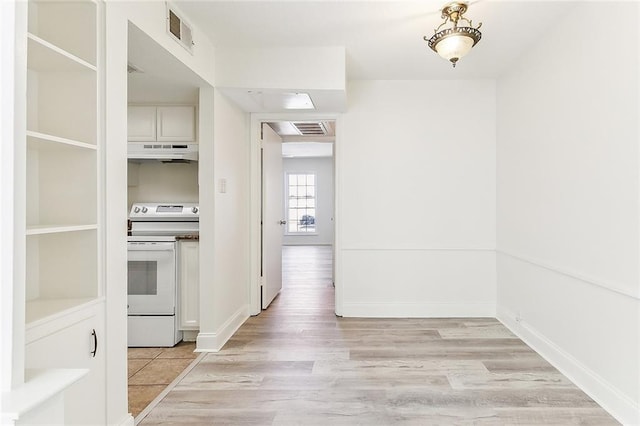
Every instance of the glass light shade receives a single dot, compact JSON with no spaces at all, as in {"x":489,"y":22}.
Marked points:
{"x":454,"y":46}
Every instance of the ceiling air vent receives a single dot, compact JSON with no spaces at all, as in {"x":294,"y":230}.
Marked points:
{"x":311,"y":128}
{"x":180,"y":30}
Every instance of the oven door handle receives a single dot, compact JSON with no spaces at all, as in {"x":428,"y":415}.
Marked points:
{"x":150,"y":247}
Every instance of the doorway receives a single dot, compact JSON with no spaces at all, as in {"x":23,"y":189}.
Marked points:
{"x":296,"y":204}
{"x":156,"y":79}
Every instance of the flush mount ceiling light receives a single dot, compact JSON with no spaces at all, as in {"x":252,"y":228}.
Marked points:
{"x":281,"y":100}
{"x":453,"y":42}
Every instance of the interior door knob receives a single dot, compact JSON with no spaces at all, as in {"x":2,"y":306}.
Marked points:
{"x":283,"y":222}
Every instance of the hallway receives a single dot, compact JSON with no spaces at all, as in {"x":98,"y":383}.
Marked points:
{"x":297,"y":363}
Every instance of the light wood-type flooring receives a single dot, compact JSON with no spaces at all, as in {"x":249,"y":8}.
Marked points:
{"x":298,"y":364}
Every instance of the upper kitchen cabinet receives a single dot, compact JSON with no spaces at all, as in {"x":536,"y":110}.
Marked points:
{"x":141,"y":123}
{"x":170,"y":123}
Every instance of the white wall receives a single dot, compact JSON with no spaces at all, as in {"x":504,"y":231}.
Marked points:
{"x":245,"y":73}
{"x":323,"y":169}
{"x":144,"y":90}
{"x":567,"y":210}
{"x":162,"y":182}
{"x":225,"y":305}
{"x":282,"y":67}
{"x":12,"y":21}
{"x":416,"y":200}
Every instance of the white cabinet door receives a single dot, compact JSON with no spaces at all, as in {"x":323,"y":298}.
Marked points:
{"x":141,"y":123}
{"x":189,"y":284}
{"x":176,"y":124}
{"x":72,"y":347}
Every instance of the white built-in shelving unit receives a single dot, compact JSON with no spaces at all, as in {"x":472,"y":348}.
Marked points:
{"x":63,"y":157}
{"x":61,"y":186}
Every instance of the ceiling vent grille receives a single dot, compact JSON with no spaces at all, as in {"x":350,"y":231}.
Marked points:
{"x":311,"y":128}
{"x":180,"y":30}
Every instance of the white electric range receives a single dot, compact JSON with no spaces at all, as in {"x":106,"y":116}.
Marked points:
{"x":152,"y":300}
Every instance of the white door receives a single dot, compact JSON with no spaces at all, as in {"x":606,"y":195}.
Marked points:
{"x":272,"y":215}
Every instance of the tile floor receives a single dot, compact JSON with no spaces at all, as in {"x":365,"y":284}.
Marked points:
{"x":152,"y":369}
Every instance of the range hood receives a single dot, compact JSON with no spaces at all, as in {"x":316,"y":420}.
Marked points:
{"x":164,"y":152}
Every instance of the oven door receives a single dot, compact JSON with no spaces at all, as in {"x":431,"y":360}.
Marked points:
{"x":152,"y":278}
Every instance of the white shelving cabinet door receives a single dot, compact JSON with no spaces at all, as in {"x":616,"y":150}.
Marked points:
{"x":189,"y":285}
{"x":141,"y":123}
{"x":71,"y":347}
{"x":176,"y":124}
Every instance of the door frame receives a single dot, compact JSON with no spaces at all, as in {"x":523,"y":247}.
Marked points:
{"x":255,"y":206}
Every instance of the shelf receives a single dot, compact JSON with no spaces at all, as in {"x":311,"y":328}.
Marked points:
{"x":62,"y":92}
{"x":68,"y":24}
{"x":39,"y":309}
{"x":61,"y":187}
{"x":56,"y":229}
{"x":43,"y":141}
{"x":62,"y":269}
{"x":60,"y":288}
{"x":39,"y":387}
{"x":44,"y":56}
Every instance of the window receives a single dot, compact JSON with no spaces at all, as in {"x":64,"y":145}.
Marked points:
{"x":301,"y":203}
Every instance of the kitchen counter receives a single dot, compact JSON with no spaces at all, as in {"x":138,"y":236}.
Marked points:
{"x":188,"y":237}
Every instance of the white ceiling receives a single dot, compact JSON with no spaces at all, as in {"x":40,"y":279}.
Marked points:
{"x":383,"y":39}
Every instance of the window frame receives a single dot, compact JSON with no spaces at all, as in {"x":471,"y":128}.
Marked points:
{"x":286,"y":202}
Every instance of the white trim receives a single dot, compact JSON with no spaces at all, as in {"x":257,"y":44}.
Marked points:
{"x":10,"y":328}
{"x":337,"y":214}
{"x":620,"y":406}
{"x":419,"y":310}
{"x":638,"y":186}
{"x":355,"y":247}
{"x":613,"y":287}
{"x":255,"y":142}
{"x":255,"y":208}
{"x":213,"y":342}
{"x":126,"y":421}
{"x":35,"y":392}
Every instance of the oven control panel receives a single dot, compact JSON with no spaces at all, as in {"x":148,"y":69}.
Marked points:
{"x":164,"y":212}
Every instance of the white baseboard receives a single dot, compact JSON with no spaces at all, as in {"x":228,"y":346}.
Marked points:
{"x":127,"y":421}
{"x":619,"y":405}
{"x":213,"y":342}
{"x":418,"y":310}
